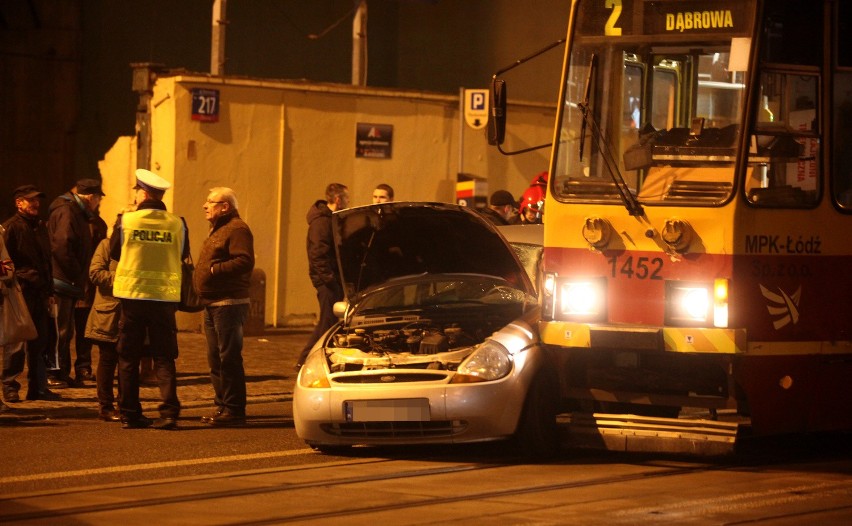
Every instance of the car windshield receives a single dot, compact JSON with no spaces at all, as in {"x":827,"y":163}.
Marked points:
{"x":455,"y":291}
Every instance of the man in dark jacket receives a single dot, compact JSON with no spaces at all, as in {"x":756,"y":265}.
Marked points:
{"x":29,"y":248}
{"x":322,"y":261}
{"x":222,"y":280}
{"x":501,"y":208}
{"x":72,"y":246}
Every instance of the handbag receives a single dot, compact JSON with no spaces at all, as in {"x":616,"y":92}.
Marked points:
{"x":189,"y":299}
{"x":17,"y":324}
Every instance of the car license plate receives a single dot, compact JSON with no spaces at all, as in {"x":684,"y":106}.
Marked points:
{"x":396,"y":410}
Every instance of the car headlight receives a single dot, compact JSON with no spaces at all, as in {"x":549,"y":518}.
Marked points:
{"x":491,"y":361}
{"x":312,"y":374}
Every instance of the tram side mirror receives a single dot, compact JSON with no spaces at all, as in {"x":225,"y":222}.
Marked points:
{"x":497,"y":120}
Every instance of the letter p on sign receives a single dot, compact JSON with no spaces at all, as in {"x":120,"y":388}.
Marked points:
{"x":476,"y":108}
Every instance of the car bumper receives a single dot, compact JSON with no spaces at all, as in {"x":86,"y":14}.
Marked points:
{"x":448,"y":413}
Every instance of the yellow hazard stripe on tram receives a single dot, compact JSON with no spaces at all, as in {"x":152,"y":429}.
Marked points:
{"x":685,"y":340}
{"x":699,"y":340}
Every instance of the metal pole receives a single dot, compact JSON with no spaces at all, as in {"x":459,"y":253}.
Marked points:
{"x":461,"y":130}
{"x":359,"y":45}
{"x":217,"y":43}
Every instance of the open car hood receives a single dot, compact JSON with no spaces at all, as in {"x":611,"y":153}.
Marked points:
{"x":379,"y":242}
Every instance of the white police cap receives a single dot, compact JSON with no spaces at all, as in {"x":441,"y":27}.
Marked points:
{"x":148,"y":180}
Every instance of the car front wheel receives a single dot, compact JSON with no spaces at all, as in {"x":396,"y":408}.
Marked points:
{"x":537,"y":435}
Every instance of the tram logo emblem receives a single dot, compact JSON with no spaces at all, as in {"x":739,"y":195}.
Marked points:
{"x":784,"y":308}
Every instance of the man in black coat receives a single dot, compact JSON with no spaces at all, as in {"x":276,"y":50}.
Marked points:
{"x":72,"y":246}
{"x":29,"y":248}
{"x":322,"y":261}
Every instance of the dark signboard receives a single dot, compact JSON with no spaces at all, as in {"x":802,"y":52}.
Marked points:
{"x":373,"y":140}
{"x":622,"y":18}
{"x":205,"y":105}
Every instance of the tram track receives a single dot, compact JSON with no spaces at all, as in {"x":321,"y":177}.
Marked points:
{"x":357,"y":489}
{"x":74,"y":495}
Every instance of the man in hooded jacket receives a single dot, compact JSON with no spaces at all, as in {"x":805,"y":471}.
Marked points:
{"x":322,"y":262}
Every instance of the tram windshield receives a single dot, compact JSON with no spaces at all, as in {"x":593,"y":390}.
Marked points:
{"x":653,"y":112}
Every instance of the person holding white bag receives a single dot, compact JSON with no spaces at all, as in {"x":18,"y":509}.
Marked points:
{"x":28,"y":247}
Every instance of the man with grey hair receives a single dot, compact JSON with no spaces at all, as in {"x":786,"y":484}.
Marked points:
{"x":222,"y":280}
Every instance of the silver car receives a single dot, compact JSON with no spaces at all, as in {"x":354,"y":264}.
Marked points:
{"x":437,"y":341}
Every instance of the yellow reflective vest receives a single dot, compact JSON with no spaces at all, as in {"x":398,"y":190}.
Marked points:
{"x":150,"y":264}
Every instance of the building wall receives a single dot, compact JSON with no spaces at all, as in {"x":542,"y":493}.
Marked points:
{"x":278,"y":144}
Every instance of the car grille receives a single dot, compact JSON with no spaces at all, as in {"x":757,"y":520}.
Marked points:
{"x":389,"y":378}
{"x":387,"y":430}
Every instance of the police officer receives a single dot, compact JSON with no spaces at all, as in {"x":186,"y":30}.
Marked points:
{"x":149,"y":245}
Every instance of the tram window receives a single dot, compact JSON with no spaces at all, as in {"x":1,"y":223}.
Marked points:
{"x":663,"y":114}
{"x":784,"y":154}
{"x":844,"y":34}
{"x":842,"y":157}
{"x":785,"y":25}
{"x":842,"y":183}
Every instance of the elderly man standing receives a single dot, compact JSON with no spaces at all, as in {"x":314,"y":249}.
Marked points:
{"x":149,"y":245}
{"x":222,"y":279}
{"x":28,"y":244}
{"x":72,"y":246}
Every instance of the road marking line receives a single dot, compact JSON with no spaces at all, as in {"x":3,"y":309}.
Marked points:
{"x":154,"y":465}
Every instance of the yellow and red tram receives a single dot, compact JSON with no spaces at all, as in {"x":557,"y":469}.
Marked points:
{"x":698,"y":221}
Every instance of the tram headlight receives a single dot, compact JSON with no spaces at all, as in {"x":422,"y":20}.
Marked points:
{"x":697,"y":304}
{"x":688,"y":303}
{"x":582,"y":299}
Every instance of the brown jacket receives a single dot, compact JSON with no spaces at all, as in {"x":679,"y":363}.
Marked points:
{"x":102,"y":324}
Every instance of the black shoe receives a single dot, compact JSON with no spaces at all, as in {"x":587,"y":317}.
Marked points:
{"x":56,"y":383}
{"x":165,"y":423}
{"x":208,"y":419}
{"x":136,"y":423}
{"x":109,"y":415}
{"x":11,"y":396}
{"x":85,"y":376}
{"x":228,"y":420}
{"x":47,"y":394}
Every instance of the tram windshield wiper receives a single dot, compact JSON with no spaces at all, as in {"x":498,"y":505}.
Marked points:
{"x":634,"y":207}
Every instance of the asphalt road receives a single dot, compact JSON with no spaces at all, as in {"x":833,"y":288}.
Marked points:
{"x":61,"y":465}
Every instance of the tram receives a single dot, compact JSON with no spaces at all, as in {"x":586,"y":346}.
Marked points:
{"x":698,"y":222}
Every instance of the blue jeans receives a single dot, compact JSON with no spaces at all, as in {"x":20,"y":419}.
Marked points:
{"x":223,"y":327}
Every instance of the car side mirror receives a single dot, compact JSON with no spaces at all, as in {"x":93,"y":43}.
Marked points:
{"x":340,"y":308}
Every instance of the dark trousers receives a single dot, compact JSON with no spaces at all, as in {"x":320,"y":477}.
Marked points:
{"x":223,"y":327}
{"x":327,"y":297}
{"x":157,"y":319}
{"x":105,"y":378}
{"x":72,"y":326}
{"x":82,"y":345}
{"x":65,"y":333}
{"x":33,"y":352}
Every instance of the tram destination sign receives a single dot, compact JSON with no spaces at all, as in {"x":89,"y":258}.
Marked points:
{"x":617,"y":18}
{"x":692,"y":17}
